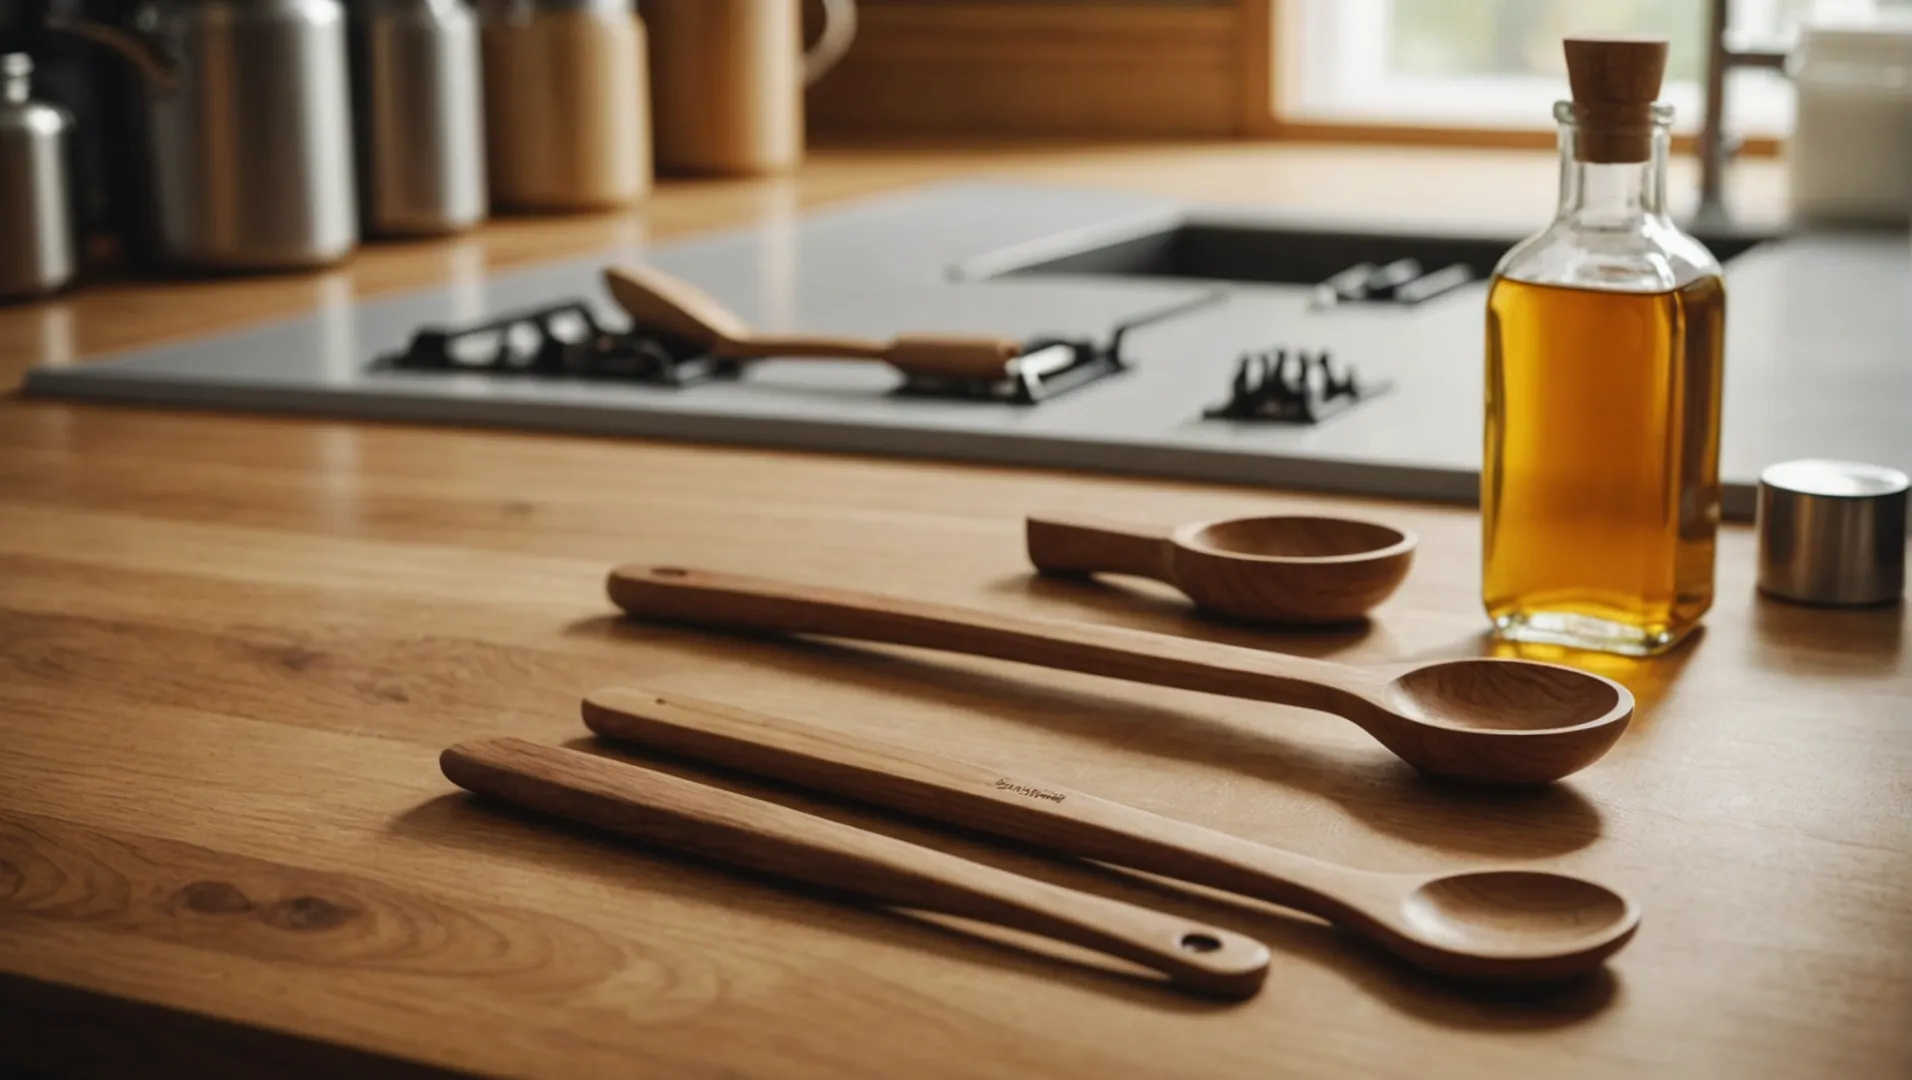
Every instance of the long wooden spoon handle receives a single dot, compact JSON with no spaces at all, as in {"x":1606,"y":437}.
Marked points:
{"x":1090,"y":545}
{"x":777,"y":840}
{"x":824,"y":346}
{"x":959,"y":793}
{"x":736,"y":602}
{"x":955,"y":356}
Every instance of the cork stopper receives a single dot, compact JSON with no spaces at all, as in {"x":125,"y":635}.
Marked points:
{"x":1615,"y":81}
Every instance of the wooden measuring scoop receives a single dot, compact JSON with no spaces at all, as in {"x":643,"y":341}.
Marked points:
{"x":656,"y":299}
{"x":1285,"y":569}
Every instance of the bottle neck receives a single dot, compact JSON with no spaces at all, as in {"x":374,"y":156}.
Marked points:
{"x":1611,"y":195}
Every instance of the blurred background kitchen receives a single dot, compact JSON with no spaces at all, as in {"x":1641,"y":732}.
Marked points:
{"x":143,"y":137}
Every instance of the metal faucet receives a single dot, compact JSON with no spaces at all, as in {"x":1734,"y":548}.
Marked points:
{"x":1714,"y":151}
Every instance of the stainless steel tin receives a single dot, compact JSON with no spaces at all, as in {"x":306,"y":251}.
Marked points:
{"x":36,"y":220}
{"x":420,"y":102}
{"x":249,"y":117}
{"x":1832,"y":532}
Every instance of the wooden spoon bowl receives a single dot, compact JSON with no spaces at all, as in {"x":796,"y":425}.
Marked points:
{"x":1485,"y":716}
{"x":1475,"y":923}
{"x":1482,"y":692}
{"x":1281,"y":569}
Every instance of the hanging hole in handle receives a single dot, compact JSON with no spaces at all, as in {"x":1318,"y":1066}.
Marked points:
{"x":1200,"y":943}
{"x":669,"y":571}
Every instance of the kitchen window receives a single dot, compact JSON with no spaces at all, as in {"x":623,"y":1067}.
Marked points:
{"x":1497,"y":63}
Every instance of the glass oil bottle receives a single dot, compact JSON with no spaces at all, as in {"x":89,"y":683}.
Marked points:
{"x":1605,"y":335}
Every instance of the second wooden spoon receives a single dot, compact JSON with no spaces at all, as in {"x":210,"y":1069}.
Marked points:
{"x":1510,"y":924}
{"x":1498,"y":721}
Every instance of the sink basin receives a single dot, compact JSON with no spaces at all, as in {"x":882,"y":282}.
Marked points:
{"x":1283,"y":253}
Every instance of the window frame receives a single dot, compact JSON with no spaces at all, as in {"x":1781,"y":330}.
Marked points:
{"x":1516,"y":108}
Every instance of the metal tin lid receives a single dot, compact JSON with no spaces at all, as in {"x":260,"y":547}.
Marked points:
{"x":1832,"y":532}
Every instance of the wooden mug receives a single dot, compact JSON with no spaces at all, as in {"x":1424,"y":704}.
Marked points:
{"x":727,"y":80}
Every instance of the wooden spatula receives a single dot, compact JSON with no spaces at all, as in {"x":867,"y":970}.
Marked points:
{"x":654,"y":298}
{"x":777,"y":840}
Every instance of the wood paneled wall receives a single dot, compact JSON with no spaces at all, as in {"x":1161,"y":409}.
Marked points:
{"x":1095,"y":68}
{"x":1076,"y":68}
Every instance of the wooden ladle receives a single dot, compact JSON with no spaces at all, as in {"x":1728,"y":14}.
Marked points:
{"x":1496,"y":721}
{"x":1506,"y":924}
{"x":1286,"y":569}
{"x":786,"y":843}
{"x":653,"y":298}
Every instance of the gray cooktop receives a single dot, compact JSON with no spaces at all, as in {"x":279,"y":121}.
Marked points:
{"x":1818,"y":356}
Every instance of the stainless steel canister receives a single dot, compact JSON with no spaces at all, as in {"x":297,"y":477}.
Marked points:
{"x":1832,"y":532}
{"x":36,"y":222}
{"x":248,"y":111}
{"x":419,"y":96}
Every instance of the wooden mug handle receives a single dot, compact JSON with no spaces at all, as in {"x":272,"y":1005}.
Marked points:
{"x":1092,"y":545}
{"x":777,"y":840}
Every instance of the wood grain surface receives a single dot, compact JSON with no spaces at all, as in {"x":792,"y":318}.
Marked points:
{"x":232,"y":648}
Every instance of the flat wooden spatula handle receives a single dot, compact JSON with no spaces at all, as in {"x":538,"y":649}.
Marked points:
{"x":954,"y":792}
{"x":777,"y":840}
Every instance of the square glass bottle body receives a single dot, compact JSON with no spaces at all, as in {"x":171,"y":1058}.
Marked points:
{"x":1600,"y":479}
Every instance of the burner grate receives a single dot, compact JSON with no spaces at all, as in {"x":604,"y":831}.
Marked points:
{"x":1293,"y":388}
{"x":1053,"y":365}
{"x":560,"y":340}
{"x":1047,"y":367}
{"x":566,"y":340}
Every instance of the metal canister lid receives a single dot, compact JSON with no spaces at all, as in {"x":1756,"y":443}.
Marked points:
{"x":1832,"y":532}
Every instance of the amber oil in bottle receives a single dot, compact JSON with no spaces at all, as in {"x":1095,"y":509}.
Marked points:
{"x":1605,"y":333}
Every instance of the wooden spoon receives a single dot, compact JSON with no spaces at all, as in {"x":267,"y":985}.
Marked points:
{"x":1498,"y":721}
{"x":1264,"y":569}
{"x":654,"y":298}
{"x":777,"y":840}
{"x":1506,"y":924}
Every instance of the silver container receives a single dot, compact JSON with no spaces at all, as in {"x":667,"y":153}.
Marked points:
{"x":419,"y":98}
{"x":36,"y":221}
{"x":247,"y":107}
{"x":1832,"y":532}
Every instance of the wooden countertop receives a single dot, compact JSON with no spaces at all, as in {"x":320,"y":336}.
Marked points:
{"x":231,"y":648}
